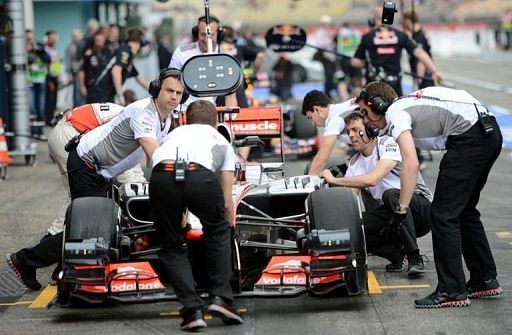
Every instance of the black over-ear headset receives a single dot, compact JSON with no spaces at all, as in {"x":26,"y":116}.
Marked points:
{"x":378,"y":103}
{"x":156,"y":85}
{"x":213,"y":18}
{"x":371,"y":132}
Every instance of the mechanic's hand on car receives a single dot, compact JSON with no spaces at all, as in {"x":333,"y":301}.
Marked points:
{"x":327,"y":175}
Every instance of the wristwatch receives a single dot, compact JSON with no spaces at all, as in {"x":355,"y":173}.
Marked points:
{"x":401,"y":208}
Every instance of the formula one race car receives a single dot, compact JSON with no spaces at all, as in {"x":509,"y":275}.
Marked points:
{"x":292,"y":235}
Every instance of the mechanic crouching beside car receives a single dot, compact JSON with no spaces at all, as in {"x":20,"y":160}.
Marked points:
{"x":194,"y":169}
{"x":375,"y":170}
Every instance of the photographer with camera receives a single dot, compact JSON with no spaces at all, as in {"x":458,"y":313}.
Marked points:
{"x":102,"y":154}
{"x":194,"y":169}
{"x":375,"y":170}
{"x":438,"y":118}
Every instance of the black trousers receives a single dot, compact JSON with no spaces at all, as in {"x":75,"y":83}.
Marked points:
{"x":376,"y":220}
{"x":83,"y":182}
{"x":456,"y":226}
{"x":202,"y":194}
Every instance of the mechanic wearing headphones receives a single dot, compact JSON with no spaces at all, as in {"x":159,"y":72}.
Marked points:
{"x":320,"y":110}
{"x":200,"y":47}
{"x":437,"y":118}
{"x":374,"y":169}
{"x":79,"y":121}
{"x":102,"y":154}
{"x":194,"y":169}
{"x":108,"y":85}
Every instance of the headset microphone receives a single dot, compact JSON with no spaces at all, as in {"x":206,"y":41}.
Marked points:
{"x":361,"y":136}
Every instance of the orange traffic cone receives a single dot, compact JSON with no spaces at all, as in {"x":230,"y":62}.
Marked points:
{"x":4,"y":155}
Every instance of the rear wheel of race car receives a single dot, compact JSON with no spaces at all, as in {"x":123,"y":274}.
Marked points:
{"x":338,"y":208}
{"x":302,"y":127}
{"x":88,"y":217}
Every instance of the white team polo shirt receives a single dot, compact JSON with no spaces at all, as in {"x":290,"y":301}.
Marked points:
{"x":198,"y":143}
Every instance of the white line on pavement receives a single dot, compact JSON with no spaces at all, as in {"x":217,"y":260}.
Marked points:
{"x":478,"y":83}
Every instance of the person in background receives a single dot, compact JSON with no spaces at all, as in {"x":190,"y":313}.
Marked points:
{"x":347,"y":41}
{"x":113,"y":37}
{"x":324,"y":37}
{"x":38,"y":63}
{"x":164,"y":50}
{"x":95,"y":60}
{"x":108,"y":84}
{"x":283,"y":80}
{"x":422,"y":77}
{"x":415,"y":31}
{"x":54,"y":72}
{"x":384,"y":45}
{"x":73,"y":64}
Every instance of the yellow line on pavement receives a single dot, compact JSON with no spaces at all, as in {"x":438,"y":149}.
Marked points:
{"x":395,"y":287}
{"x":45,"y":297}
{"x":373,"y":284}
{"x":16,"y":303}
{"x":504,"y":234}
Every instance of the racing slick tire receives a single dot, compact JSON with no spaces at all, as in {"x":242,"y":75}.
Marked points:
{"x":302,"y":128}
{"x":338,"y":208}
{"x":93,"y":217}
{"x":88,"y":217}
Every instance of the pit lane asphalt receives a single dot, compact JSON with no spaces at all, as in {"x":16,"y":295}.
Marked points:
{"x":30,"y":199}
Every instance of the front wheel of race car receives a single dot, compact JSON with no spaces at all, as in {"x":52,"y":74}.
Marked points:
{"x":86,"y":218}
{"x":93,"y":217}
{"x":338,"y":208}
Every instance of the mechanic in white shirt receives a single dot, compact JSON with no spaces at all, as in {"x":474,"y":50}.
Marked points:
{"x":79,"y":121}
{"x":375,"y":170}
{"x":200,"y":47}
{"x":321,"y":111}
{"x":102,"y":154}
{"x":437,"y":118}
{"x":204,"y":186}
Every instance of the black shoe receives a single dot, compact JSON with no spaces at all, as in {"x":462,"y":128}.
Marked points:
{"x":192,"y":320}
{"x":27,"y":274}
{"x":488,"y":288}
{"x":416,"y":267}
{"x":439,"y":299}
{"x":223,"y":309}
{"x":395,"y":267}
